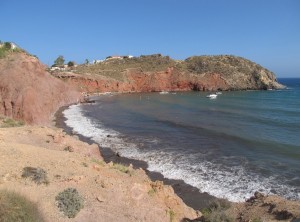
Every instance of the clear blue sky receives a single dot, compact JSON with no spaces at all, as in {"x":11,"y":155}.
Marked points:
{"x":264,"y":31}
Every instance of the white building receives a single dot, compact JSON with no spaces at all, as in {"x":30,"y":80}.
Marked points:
{"x":96,"y":61}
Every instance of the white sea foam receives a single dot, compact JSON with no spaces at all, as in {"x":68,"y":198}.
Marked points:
{"x":232,"y":183}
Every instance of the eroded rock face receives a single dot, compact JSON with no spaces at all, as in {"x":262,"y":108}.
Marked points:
{"x":139,"y":81}
{"x":28,"y":92}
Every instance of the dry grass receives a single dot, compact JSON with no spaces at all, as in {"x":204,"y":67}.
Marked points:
{"x":38,"y":175}
{"x":122,"y":168}
{"x":6,"y":122}
{"x":226,"y":64}
{"x":115,"y":68}
{"x":14,"y":207}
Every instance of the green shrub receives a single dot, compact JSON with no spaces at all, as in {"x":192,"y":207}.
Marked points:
{"x":7,"y":45}
{"x":256,"y":220}
{"x":171,"y":214}
{"x":71,"y":64}
{"x":59,"y":61}
{"x":69,"y":202}
{"x":38,"y":175}
{"x":7,"y":48}
{"x":215,"y":212}
{"x":217,"y":216}
{"x":14,"y":207}
{"x":7,"y":122}
{"x":2,"y":52}
{"x":151,"y":192}
{"x":99,"y":162}
{"x":220,"y":204}
{"x":122,"y":168}
{"x":69,"y":149}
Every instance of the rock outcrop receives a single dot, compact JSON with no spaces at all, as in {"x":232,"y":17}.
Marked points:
{"x":266,"y":208}
{"x":28,"y":92}
{"x":157,"y":73}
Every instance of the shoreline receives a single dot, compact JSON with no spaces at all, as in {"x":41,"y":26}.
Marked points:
{"x":190,"y":195}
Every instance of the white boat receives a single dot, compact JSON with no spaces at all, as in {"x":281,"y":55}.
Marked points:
{"x":212,"y":96}
{"x":163,"y":92}
{"x":218,"y":93}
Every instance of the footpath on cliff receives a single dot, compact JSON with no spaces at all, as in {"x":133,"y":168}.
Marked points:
{"x":110,"y":191}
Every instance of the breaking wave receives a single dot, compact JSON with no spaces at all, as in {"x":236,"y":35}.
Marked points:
{"x":235,"y":183}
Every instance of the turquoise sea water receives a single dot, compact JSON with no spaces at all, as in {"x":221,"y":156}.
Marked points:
{"x":230,"y":147}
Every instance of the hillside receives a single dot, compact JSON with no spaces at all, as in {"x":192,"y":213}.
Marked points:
{"x":28,"y":92}
{"x":159,"y":73}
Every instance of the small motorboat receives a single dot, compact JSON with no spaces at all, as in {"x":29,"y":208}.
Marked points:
{"x":218,"y":93}
{"x":163,"y":92}
{"x":212,"y":96}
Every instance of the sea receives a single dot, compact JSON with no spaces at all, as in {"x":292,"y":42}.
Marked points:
{"x":229,"y":147}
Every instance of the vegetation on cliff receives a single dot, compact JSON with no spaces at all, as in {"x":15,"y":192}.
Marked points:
{"x":8,"y":122}
{"x":237,"y":71}
{"x":8,"y":47}
{"x":225,"y":64}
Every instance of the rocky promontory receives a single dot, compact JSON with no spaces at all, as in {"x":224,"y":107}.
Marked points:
{"x":161,"y":73}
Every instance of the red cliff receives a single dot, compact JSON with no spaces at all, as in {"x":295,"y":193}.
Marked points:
{"x":28,"y":92}
{"x":139,"y":81}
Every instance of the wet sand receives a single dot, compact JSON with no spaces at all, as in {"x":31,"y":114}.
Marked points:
{"x":191,"y":196}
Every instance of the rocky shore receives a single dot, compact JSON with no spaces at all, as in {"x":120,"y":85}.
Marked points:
{"x":111,"y":192}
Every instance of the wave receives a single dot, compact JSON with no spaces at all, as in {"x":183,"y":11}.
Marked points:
{"x":232,"y":182}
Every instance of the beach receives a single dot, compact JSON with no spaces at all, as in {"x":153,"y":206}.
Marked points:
{"x":189,"y":194}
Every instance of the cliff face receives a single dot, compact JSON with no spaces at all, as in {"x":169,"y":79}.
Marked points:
{"x":157,"y":73}
{"x":28,"y":92}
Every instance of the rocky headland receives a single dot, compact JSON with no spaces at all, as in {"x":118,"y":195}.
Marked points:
{"x":161,"y":73}
{"x":110,"y":191}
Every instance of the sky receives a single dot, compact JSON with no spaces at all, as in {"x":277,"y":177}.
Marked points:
{"x":264,"y":31}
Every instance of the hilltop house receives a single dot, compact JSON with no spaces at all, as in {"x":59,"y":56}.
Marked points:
{"x":96,"y":61}
{"x":114,"y":57}
{"x":118,"y":57}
